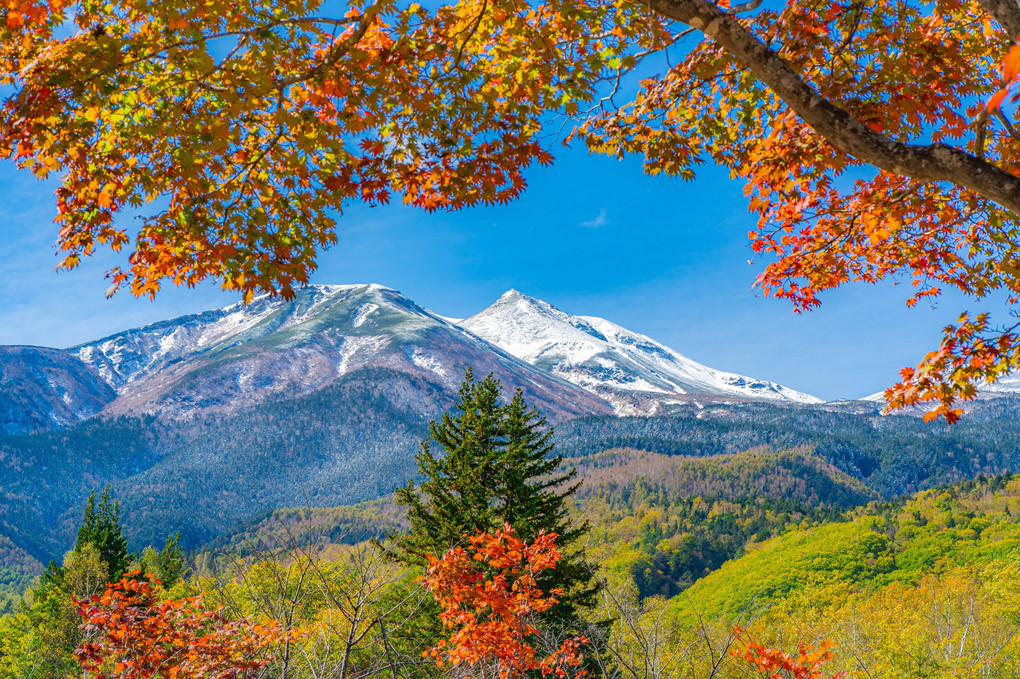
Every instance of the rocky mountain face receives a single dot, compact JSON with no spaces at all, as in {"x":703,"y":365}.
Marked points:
{"x":239,"y":356}
{"x":632,"y":372}
{"x":44,"y":388}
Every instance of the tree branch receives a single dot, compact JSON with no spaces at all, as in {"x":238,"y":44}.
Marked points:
{"x":1008,"y":125}
{"x":936,"y":162}
{"x":1006,"y":12}
{"x":336,"y":51}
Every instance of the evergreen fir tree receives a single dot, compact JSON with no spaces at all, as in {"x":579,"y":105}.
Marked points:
{"x":52,"y":575}
{"x":455,"y":495}
{"x":533,"y":495}
{"x":170,"y":562}
{"x":496,"y":467}
{"x":100,"y":526}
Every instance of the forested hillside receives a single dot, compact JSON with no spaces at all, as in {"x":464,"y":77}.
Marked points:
{"x":924,"y":586}
{"x":668,"y":521}
{"x":782,"y":543}
{"x":17,"y":571}
{"x":892,"y":455}
{"x":346,"y":443}
{"x":355,"y":441}
{"x":973,"y":525}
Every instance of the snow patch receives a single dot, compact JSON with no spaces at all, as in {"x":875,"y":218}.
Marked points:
{"x":352,"y":346}
{"x":1010,"y":384}
{"x":364,"y":312}
{"x":427,"y":361}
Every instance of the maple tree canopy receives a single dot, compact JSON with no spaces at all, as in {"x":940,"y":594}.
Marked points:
{"x":874,"y":138}
{"x":489,"y":594}
{"x":133,"y":635}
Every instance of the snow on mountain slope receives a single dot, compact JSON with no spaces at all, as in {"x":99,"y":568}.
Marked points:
{"x":229,"y":358}
{"x":141,"y":352}
{"x":633,"y":372}
{"x":241,"y":355}
{"x":1006,"y":386}
{"x":43,"y":388}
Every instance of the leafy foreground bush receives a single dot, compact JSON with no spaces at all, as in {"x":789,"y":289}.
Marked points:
{"x":130,"y":634}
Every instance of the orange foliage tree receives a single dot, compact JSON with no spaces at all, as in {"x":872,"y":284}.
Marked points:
{"x":237,"y":130}
{"x":131,"y":635}
{"x":488,"y":594}
{"x":775,"y":664}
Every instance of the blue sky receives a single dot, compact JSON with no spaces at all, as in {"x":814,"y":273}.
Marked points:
{"x":592,"y":236}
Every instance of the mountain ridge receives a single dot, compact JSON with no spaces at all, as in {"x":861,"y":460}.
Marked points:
{"x":241,"y":355}
{"x":634,"y":373}
{"x":43,"y":388}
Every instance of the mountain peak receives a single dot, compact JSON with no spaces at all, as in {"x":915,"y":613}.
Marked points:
{"x":524,"y":303}
{"x":633,"y":372}
{"x":323,"y":290}
{"x":230,"y":358}
{"x":515,"y":295}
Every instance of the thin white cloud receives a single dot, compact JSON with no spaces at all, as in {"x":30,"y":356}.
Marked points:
{"x":597,"y":222}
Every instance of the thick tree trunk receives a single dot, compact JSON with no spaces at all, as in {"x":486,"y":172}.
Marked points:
{"x":935,"y":162}
{"x":1006,"y":12}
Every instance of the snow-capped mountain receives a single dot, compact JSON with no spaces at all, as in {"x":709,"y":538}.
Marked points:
{"x":1008,"y":385}
{"x":240,"y":355}
{"x":225,"y":360}
{"x":43,"y":388}
{"x":632,"y":372}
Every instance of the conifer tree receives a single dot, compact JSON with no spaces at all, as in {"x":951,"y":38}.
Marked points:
{"x":49,"y":618}
{"x":497,"y":466}
{"x":170,"y":562}
{"x":100,"y":526}
{"x":456,"y":492}
{"x":533,"y":494}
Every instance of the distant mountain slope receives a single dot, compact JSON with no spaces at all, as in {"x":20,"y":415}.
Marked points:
{"x":17,"y":570}
{"x":351,"y":441}
{"x":230,"y":358}
{"x":44,"y":388}
{"x":757,"y":474}
{"x":970,"y":525}
{"x":636,"y":374}
{"x":618,"y":478}
{"x":892,"y":455}
{"x":1008,"y":386}
{"x":355,"y":440}
{"x":665,"y":521}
